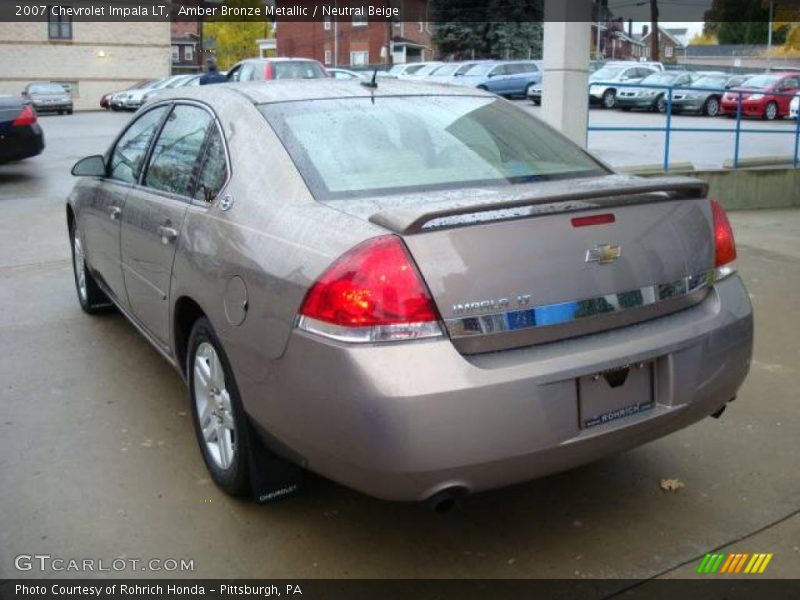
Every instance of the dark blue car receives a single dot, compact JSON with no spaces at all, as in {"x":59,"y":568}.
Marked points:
{"x":506,"y":78}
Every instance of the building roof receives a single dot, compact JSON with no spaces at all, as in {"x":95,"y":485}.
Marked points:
{"x":667,"y":33}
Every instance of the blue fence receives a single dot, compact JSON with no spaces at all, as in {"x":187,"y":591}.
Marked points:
{"x":668,"y":129}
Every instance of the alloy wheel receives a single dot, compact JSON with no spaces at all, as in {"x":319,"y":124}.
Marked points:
{"x":771,"y":112}
{"x":79,"y":264}
{"x":609,"y":99}
{"x":712,"y":107}
{"x":214,"y":409}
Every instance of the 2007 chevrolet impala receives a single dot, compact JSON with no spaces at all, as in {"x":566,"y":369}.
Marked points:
{"x":417,"y":291}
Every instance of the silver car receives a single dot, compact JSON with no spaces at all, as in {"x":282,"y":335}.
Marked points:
{"x":415,"y":290}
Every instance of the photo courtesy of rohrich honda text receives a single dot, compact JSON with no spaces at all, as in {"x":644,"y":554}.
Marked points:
{"x":416,"y":293}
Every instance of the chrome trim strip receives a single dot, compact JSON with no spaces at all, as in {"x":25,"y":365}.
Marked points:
{"x":549,"y":315}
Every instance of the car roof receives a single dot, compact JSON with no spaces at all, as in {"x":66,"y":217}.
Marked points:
{"x":278,"y":59}
{"x":294,"y":90}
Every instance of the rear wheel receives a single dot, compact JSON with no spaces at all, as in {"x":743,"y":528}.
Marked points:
{"x":711,"y":107}
{"x":91,"y":298}
{"x":609,"y":99}
{"x":771,"y":112}
{"x":219,"y":419}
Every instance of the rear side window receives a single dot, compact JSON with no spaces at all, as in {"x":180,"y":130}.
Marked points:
{"x":128,"y":155}
{"x":176,"y":153}
{"x":213,"y":169}
{"x":299,"y":69}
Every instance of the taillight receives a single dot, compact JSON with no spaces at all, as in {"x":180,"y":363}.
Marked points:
{"x":268,"y":71}
{"x":724,"y":244}
{"x":373,"y":293}
{"x":26,"y":117}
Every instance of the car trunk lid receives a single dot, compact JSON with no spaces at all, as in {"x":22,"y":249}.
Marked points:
{"x":529,"y":275}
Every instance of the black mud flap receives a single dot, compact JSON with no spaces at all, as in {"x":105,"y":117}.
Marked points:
{"x":271,"y":477}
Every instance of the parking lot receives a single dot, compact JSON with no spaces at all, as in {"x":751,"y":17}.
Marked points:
{"x":100,"y":459}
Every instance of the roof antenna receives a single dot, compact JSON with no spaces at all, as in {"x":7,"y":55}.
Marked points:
{"x":373,"y":84}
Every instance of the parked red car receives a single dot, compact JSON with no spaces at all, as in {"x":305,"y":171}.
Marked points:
{"x":759,"y":97}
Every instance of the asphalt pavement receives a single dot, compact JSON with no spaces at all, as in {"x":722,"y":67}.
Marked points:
{"x":98,"y":458}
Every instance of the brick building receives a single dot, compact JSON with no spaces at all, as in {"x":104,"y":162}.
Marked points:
{"x":91,"y":59}
{"x":358,"y":41}
{"x":187,"y":55}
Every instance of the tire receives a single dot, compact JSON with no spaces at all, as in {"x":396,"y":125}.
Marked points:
{"x":660,"y":105}
{"x":537,"y":102}
{"x":220,"y":423}
{"x":609,"y":99}
{"x":61,"y":112}
{"x":711,"y":107}
{"x":91,"y":298}
{"x":771,"y":111}
{"x":483,"y":87}
{"x":69,"y":112}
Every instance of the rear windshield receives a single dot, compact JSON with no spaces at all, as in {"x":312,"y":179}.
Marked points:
{"x":480,"y":69}
{"x":709,"y":82}
{"x":298,"y":69}
{"x":661,"y":78}
{"x":46,"y":88}
{"x":353,"y":147}
{"x":761,"y":81}
{"x":445,"y":70}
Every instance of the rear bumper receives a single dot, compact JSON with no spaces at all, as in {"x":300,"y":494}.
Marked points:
{"x":43,"y":108}
{"x":21,"y":142}
{"x":405,"y":421}
{"x":625,"y":102}
{"x":749,"y":109}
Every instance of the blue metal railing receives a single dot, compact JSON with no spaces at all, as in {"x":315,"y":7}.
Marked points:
{"x":668,"y":129}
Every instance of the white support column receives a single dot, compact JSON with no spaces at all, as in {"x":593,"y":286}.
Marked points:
{"x":565,"y":96}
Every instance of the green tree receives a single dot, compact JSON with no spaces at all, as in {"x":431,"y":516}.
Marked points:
{"x":741,"y":22}
{"x":233,"y":39}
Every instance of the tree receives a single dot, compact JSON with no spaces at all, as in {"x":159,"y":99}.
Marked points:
{"x":703,"y":39}
{"x":741,"y":22}
{"x":234,"y":40}
{"x":467,"y":29}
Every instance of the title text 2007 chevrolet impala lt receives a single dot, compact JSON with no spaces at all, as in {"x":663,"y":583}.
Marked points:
{"x":413,"y":290}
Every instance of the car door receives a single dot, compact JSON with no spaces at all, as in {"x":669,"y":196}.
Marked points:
{"x":496,"y":79}
{"x":101,"y":211}
{"x":521,"y":74}
{"x":788,"y":88}
{"x":154,"y":214}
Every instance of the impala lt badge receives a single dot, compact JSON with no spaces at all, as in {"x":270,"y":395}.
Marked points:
{"x":603,"y":253}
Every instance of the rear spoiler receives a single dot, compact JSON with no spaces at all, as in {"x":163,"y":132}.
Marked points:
{"x":408,"y":220}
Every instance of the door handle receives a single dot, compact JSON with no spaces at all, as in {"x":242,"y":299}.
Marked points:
{"x":168,"y":234}
{"x":114,"y":212}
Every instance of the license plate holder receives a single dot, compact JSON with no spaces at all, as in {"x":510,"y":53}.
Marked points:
{"x":615,"y":394}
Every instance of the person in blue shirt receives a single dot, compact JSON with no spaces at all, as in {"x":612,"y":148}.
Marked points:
{"x":212,"y":74}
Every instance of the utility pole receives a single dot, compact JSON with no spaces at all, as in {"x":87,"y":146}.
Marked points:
{"x":654,"y":53}
{"x":769,"y":32}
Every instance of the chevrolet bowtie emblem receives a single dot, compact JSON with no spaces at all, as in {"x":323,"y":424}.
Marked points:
{"x":603,"y":253}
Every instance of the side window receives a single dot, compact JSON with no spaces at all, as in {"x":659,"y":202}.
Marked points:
{"x":235,"y":73}
{"x":501,"y":70}
{"x":173,"y":164}
{"x":213,"y":169}
{"x":528,"y":68}
{"x":247,"y":72}
{"x":129,"y":153}
{"x":792,"y":83}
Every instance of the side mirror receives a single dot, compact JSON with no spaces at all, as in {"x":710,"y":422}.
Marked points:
{"x":91,"y":166}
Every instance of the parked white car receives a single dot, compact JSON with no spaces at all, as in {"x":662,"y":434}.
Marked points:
{"x":614,"y":75}
{"x":794,"y":107}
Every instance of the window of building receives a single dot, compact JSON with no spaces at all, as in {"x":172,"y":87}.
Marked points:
{"x":326,"y":24}
{"x":176,"y":54}
{"x":188,"y":53}
{"x":59,"y":27}
{"x":328,"y":57}
{"x":174,"y":162}
{"x":359,"y":58}
{"x":668,"y":51}
{"x":360,"y":21}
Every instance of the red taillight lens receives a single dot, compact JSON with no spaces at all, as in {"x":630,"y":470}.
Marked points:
{"x":268,"y":71}
{"x":26,"y":117}
{"x":724,"y":244}
{"x":372,"y":293}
